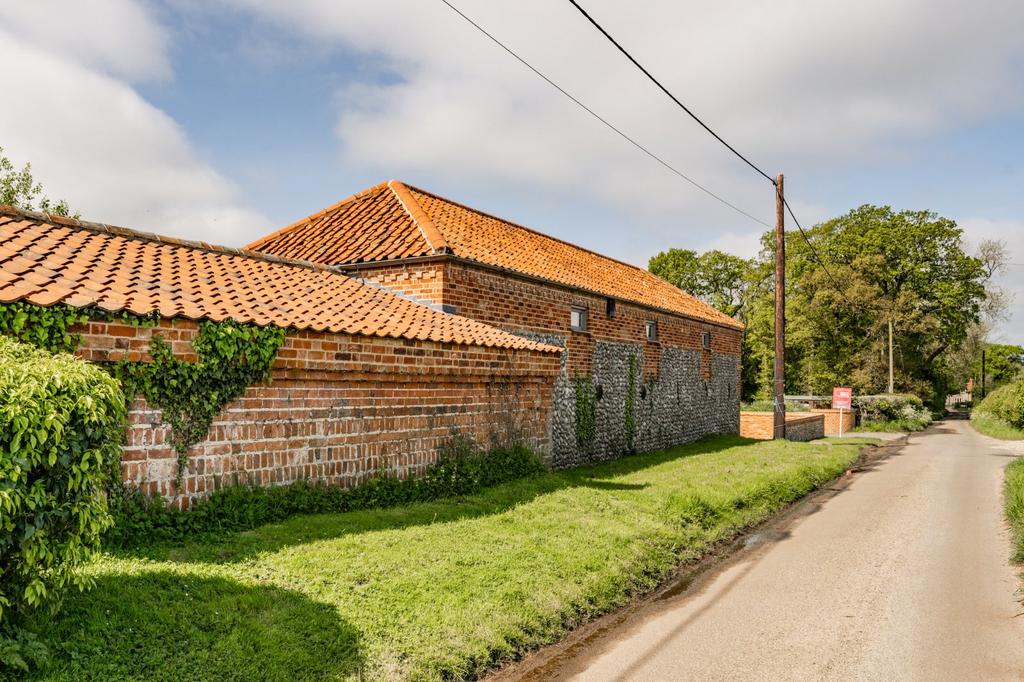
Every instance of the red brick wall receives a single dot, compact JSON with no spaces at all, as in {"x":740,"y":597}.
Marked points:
{"x":338,"y":409}
{"x":516,"y":304}
{"x":422,"y":280}
{"x":832,"y":420}
{"x":799,"y":425}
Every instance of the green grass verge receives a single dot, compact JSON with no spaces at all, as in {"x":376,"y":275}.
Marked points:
{"x":444,"y":589}
{"x":993,"y":426}
{"x":1013,"y":498}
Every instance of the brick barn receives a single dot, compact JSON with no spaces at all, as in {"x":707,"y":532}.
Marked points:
{"x":643,"y":366}
{"x":366,"y":381}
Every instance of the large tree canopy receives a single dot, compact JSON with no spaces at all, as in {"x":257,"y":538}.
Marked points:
{"x":907,"y":267}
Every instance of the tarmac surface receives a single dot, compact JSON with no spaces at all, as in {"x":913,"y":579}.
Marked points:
{"x":901,"y":573}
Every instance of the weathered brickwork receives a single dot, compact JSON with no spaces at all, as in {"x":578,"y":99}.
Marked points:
{"x":339,"y":408}
{"x":422,"y":281}
{"x":832,"y":420}
{"x":688,"y":391}
{"x":800,"y":426}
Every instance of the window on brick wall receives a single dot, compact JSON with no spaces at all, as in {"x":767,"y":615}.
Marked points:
{"x":578,"y":318}
{"x":651,"y":330}
{"x":609,"y":307}
{"x":705,"y":340}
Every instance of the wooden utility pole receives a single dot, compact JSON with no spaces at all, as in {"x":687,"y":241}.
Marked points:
{"x":891,"y":390}
{"x":983,"y":373}
{"x":779,"y":388}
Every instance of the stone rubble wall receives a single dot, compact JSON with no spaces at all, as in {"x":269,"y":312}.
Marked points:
{"x":677,"y":406}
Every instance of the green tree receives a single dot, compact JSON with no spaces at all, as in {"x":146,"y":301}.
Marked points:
{"x":1003,"y":364}
{"x":718,"y":278}
{"x":904,"y":267}
{"x":18,"y":188}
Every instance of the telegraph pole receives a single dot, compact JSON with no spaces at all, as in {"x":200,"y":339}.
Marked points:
{"x":983,"y":373}
{"x":779,"y":389}
{"x":891,"y":387}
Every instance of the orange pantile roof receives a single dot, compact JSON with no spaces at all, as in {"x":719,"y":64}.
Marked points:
{"x":394,"y":221}
{"x":47,"y":260}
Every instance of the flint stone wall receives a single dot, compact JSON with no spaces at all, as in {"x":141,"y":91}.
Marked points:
{"x":677,"y":406}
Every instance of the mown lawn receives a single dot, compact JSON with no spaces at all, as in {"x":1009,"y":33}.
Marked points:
{"x":439,"y":590}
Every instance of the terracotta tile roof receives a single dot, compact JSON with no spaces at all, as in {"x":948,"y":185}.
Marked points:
{"x":394,"y":221}
{"x":48,"y":259}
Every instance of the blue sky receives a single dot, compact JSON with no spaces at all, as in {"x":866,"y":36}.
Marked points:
{"x":224,"y":120}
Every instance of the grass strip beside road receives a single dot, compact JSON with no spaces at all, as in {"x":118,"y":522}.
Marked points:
{"x":995,"y":427}
{"x":446,"y":589}
{"x":1013,"y":499}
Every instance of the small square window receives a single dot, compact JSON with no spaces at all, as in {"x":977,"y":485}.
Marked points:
{"x":651,"y":329}
{"x":578,"y":318}
{"x":705,"y":340}
{"x":609,"y":307}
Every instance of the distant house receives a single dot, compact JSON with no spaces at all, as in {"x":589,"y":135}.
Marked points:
{"x":644,"y":364}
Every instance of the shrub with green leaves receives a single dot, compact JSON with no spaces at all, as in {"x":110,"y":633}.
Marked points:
{"x":898,"y":411}
{"x":61,"y":424}
{"x":1006,"y":404}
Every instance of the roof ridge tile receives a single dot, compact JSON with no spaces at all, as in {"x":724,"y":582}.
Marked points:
{"x":433,"y":236}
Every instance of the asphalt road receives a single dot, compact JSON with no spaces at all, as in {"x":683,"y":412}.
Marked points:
{"x":904,"y":575}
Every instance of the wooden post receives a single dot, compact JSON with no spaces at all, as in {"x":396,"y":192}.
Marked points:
{"x":983,"y":373}
{"x":779,"y":388}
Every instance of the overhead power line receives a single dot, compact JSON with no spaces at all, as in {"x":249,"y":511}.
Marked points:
{"x":605,"y":121}
{"x":704,"y":125}
{"x":675,"y":99}
{"x":814,"y":252}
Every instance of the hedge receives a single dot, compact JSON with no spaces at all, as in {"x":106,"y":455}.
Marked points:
{"x":1006,"y":403}
{"x":61,"y":423}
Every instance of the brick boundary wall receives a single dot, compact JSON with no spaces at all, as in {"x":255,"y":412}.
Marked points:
{"x":832,"y":420}
{"x":339,"y":408}
{"x":800,"y":426}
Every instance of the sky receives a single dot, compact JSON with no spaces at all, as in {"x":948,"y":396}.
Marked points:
{"x":222,"y":120}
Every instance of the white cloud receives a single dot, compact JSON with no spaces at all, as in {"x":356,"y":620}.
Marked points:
{"x":805,"y":85}
{"x":116,"y":36}
{"x":93,"y":141}
{"x":812,"y":88}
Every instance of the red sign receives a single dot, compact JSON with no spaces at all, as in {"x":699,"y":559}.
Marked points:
{"x":842,"y":398}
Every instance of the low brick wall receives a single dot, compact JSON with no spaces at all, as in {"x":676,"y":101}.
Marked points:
{"x":800,"y":426}
{"x":849,"y":420}
{"x":339,"y":408}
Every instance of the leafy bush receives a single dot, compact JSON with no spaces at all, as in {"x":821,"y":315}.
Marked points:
{"x":895,"y":412}
{"x":61,"y":423}
{"x":462,"y":469}
{"x":1006,"y":404}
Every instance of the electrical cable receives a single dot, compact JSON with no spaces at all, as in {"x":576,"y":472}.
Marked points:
{"x":603,"y":120}
{"x":675,"y":99}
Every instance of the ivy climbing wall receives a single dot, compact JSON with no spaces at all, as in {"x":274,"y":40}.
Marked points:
{"x":337,"y":409}
{"x":621,"y":407}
